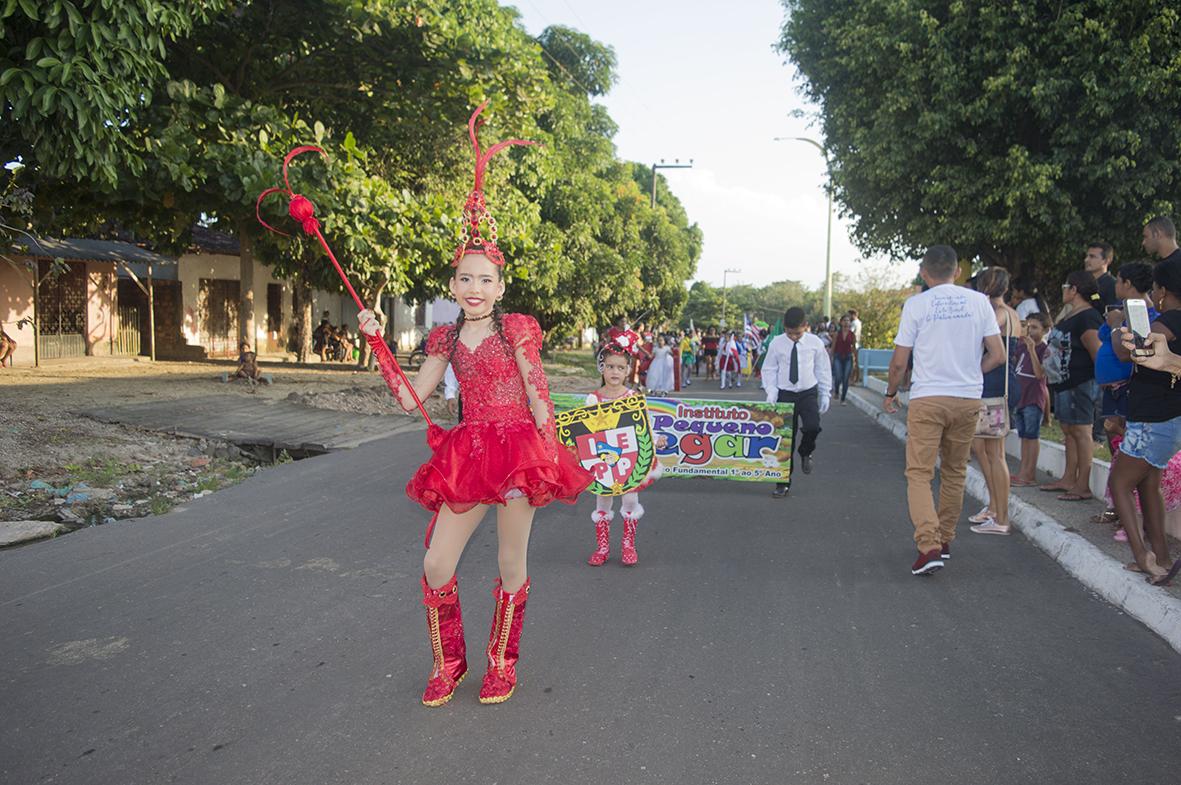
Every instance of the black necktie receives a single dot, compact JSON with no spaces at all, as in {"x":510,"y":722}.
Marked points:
{"x":793,"y":373}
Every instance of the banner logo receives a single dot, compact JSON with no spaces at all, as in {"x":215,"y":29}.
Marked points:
{"x":612,"y":441}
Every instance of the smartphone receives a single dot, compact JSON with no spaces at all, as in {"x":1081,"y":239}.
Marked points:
{"x":1138,"y":321}
{"x":1113,"y":307}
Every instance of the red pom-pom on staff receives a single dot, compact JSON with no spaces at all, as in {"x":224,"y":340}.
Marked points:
{"x":303,"y":211}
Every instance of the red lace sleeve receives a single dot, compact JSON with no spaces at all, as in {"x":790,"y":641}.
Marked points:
{"x":438,"y":343}
{"x":524,"y":335}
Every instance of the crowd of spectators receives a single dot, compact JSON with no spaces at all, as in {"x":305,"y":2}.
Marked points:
{"x":1080,"y":367}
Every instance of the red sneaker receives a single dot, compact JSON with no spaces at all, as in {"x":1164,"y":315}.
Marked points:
{"x":945,"y":551}
{"x":927,"y":563}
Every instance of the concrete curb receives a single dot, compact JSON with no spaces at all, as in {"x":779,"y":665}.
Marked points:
{"x":16,"y":532}
{"x":1157,"y":610}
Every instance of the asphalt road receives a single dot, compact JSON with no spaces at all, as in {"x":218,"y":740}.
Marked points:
{"x":272,"y":633}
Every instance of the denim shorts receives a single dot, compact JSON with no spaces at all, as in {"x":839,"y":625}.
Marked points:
{"x":1115,"y":401}
{"x":1028,"y":421}
{"x":1153,"y":442}
{"x":1076,"y":406}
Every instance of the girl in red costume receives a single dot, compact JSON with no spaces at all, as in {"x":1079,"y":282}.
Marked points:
{"x":614,"y":363}
{"x":504,"y":454}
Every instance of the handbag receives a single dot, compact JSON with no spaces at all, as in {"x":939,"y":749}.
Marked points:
{"x":993,"y":420}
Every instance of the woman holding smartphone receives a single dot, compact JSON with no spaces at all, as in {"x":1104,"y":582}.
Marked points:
{"x":1153,"y":431}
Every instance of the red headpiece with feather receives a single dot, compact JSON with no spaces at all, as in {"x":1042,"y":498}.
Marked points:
{"x":475,"y":210}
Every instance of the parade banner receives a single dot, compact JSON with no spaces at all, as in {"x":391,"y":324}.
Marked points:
{"x":731,"y":440}
{"x":612,"y":440}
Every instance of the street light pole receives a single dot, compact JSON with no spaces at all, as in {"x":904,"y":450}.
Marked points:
{"x":722,"y":321}
{"x":828,"y":240}
{"x":662,"y":165}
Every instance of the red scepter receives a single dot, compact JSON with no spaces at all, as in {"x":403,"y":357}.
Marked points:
{"x":302,"y":210}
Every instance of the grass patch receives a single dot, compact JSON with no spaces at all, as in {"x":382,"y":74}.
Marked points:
{"x":211,"y":483}
{"x":1053,"y":433}
{"x":573,"y":361}
{"x":100,"y":472}
{"x":160,"y":505}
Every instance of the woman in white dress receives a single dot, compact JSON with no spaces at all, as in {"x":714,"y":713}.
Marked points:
{"x":660,"y":373}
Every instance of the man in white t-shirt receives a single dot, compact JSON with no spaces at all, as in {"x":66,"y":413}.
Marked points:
{"x":948,"y":328}
{"x":854,"y":325}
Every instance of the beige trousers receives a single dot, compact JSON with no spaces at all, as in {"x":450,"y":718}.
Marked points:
{"x":938,"y":427}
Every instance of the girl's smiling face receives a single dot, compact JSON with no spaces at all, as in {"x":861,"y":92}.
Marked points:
{"x":615,"y":368}
{"x":476,"y":285}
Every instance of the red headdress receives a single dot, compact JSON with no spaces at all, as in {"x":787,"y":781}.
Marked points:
{"x":475,"y":210}
{"x":620,"y":346}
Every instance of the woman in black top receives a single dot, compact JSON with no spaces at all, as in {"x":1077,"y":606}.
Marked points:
{"x":1153,"y":435}
{"x":1075,"y":396}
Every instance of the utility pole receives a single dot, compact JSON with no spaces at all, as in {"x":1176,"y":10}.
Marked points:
{"x":828,"y":242}
{"x":662,"y":165}
{"x":722,"y":321}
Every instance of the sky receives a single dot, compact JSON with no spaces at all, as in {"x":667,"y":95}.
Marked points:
{"x":700,"y":79}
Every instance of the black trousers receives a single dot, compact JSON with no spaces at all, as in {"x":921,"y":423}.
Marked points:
{"x":805,"y":422}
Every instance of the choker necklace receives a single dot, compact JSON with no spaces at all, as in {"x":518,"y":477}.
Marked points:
{"x":467,"y":318}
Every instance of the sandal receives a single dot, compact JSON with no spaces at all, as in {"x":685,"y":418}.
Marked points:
{"x":1107,"y":516}
{"x":1075,"y":497}
{"x":982,"y":516}
{"x":1019,"y":483}
{"x":1165,"y":578}
{"x":990,"y":527}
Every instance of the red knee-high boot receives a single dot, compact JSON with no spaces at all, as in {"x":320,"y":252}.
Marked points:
{"x":504,"y":644}
{"x":602,"y":519}
{"x":628,"y":546}
{"x":445,"y":623}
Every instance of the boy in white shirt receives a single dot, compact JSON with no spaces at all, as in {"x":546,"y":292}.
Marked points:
{"x":797,"y":370}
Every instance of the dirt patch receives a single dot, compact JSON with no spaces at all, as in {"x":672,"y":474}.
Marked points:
{"x":365,"y":400}
{"x":58,"y":465}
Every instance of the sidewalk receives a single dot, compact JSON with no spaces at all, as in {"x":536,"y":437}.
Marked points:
{"x":1065,"y":532}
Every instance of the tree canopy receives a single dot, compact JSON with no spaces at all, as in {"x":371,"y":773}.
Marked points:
{"x":75,"y":75}
{"x":386,"y":88}
{"x":876,"y":293}
{"x":1015,"y":131}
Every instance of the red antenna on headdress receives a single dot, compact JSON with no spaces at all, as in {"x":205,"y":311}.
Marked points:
{"x":475,"y":209}
{"x":473,"y":126}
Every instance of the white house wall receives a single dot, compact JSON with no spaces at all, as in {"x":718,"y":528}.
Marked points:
{"x":340,"y":307}
{"x":195,"y":266}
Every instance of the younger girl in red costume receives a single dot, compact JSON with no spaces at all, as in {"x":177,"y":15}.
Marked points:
{"x":504,"y":454}
{"x":614,"y":363}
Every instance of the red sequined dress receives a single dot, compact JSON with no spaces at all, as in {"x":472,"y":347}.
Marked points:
{"x":497,"y":452}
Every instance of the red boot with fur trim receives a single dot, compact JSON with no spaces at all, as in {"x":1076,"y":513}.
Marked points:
{"x":602,"y":519}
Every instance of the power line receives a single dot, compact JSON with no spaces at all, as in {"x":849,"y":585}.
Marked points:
{"x":556,"y":62}
{"x":581,"y":21}
{"x":553,"y":59}
{"x":548,"y":23}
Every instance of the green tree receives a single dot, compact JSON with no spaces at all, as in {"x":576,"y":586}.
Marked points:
{"x":578,"y":61}
{"x":702,"y":306}
{"x":1014,"y":131}
{"x":878,"y":295}
{"x":75,"y":75}
{"x":385,"y":86}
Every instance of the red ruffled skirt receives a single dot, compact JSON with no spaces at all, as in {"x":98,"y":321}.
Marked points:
{"x":491,"y":462}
